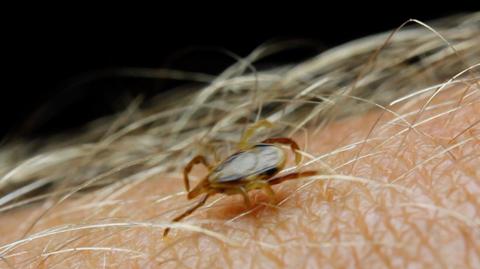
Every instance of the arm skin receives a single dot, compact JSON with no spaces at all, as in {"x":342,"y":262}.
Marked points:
{"x":414,"y":201}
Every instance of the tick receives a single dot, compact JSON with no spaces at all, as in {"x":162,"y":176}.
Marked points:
{"x":253,"y":166}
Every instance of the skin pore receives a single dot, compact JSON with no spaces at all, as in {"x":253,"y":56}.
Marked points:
{"x":398,"y":187}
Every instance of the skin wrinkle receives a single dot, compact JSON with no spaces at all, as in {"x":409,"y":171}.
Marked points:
{"x":434,"y":224}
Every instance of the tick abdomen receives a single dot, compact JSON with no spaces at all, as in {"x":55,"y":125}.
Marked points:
{"x":260,"y":159}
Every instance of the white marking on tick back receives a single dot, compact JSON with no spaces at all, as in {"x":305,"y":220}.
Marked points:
{"x":246,"y":163}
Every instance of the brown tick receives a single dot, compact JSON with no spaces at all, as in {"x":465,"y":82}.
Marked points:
{"x":252,"y":167}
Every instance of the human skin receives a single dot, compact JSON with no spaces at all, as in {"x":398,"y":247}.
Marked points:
{"x":404,"y":194}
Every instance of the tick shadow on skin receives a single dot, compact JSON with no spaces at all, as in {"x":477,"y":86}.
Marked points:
{"x":234,"y":206}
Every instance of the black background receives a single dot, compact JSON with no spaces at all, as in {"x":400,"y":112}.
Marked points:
{"x":46,"y":51}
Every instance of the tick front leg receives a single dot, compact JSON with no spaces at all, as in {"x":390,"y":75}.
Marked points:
{"x":286,"y":141}
{"x":198,"y":159}
{"x":187,"y":213}
{"x":251,"y":130}
{"x":296,"y":175}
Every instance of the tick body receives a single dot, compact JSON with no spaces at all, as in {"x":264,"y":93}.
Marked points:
{"x":251,"y":167}
{"x":262,"y":160}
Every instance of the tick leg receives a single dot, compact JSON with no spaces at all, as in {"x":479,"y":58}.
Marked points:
{"x":291,"y":176}
{"x":244,"y":194}
{"x":269,"y":191}
{"x":262,"y":184}
{"x":198,"y":159}
{"x":243,"y":144}
{"x":286,"y":141}
{"x":187,"y":213}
